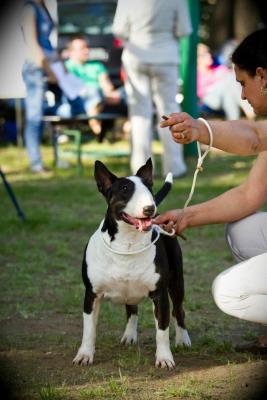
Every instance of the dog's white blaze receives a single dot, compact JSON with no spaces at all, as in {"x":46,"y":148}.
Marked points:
{"x":124,"y":279}
{"x":140,"y":199}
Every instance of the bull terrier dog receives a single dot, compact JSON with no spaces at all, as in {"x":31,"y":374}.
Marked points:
{"x":128,"y":258}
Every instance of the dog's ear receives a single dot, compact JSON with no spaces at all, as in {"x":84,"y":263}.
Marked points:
{"x":104,"y":178}
{"x":145,"y":172}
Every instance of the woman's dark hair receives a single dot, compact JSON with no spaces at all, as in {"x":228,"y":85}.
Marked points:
{"x":251,"y":53}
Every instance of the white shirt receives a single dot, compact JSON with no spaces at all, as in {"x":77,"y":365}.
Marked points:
{"x":150,"y":29}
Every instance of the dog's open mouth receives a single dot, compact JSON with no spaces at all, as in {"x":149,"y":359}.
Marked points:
{"x":141,"y":224}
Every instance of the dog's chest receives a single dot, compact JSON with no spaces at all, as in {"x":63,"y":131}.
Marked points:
{"x":124,"y":279}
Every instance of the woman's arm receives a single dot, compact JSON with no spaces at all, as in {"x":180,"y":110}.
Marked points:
{"x":237,"y":137}
{"x":230,"y":206}
{"x":106,"y":84}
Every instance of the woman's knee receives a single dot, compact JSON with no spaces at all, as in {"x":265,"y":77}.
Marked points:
{"x":229,"y":292}
{"x":219,"y":293}
{"x":240,"y":291}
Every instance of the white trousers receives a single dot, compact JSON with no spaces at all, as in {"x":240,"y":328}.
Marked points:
{"x":241,"y":291}
{"x":148,"y":85}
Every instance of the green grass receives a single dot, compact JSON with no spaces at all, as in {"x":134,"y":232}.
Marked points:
{"x":42,"y":292}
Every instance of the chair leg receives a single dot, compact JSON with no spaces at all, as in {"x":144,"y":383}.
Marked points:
{"x":78,"y":140}
{"x":12,"y":197}
{"x":55,"y":137}
{"x":77,"y":135}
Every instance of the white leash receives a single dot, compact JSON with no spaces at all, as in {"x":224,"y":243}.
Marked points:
{"x":200,"y":161}
{"x":156,"y":228}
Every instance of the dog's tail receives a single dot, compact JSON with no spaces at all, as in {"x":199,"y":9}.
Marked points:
{"x":162,"y":193}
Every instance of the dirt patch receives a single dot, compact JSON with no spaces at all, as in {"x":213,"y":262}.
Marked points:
{"x":38,"y":354}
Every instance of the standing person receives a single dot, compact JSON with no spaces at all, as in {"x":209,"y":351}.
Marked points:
{"x":151,"y":30}
{"x":241,"y":290}
{"x":37,"y":26}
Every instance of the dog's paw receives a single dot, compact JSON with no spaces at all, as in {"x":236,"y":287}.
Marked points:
{"x":164,"y":359}
{"x":130,"y":333}
{"x":129,"y":338}
{"x":84,"y":357}
{"x":182,"y":338}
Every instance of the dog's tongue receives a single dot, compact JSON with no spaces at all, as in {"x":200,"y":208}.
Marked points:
{"x":142,"y":224}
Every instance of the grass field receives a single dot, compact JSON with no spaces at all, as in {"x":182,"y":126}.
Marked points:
{"x":42,"y":295}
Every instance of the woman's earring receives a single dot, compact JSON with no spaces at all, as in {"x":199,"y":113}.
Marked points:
{"x":264,"y":91}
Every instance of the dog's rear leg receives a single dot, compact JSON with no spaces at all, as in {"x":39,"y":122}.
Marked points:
{"x":130,"y":333}
{"x":164,"y":358}
{"x":85,"y":355}
{"x":181,"y":334}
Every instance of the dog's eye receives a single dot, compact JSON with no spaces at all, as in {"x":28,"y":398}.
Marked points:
{"x":124,"y":188}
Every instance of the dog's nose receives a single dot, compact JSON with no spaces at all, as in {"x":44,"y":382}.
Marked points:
{"x":148,"y":211}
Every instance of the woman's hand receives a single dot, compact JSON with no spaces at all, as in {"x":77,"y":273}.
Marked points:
{"x":183,"y":127}
{"x":173,"y":219}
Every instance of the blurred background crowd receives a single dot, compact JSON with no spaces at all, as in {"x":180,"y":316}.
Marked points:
{"x":69,"y":58}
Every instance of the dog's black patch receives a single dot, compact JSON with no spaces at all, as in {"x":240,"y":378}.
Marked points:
{"x":89,"y":294}
{"x":117,"y":196}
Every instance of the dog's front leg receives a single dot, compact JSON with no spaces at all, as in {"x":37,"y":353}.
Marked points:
{"x":164,"y":358}
{"x":85,"y":355}
{"x":130,"y":333}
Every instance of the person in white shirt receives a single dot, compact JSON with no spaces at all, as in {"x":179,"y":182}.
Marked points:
{"x":150,"y":31}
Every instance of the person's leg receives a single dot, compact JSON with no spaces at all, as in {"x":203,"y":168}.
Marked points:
{"x":241,"y":290}
{"x":93,"y":104}
{"x":140,"y":112}
{"x":93,"y":100}
{"x":164,"y":89}
{"x":34,"y":104}
{"x":248,"y":237}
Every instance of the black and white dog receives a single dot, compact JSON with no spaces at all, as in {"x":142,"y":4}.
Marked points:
{"x":127,"y":259}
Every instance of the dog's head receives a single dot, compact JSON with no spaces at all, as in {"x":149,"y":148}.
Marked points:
{"x":129,"y":199}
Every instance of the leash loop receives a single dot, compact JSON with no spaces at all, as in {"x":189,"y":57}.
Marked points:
{"x":200,"y":161}
{"x":160,"y":230}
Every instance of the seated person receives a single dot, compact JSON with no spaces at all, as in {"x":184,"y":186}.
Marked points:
{"x":98,"y":89}
{"x":217,"y":88}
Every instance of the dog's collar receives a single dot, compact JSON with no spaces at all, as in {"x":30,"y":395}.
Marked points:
{"x":131,"y":252}
{"x":155,"y":228}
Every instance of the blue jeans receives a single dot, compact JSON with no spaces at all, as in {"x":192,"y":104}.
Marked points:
{"x":82,"y":104}
{"x":35,"y":82}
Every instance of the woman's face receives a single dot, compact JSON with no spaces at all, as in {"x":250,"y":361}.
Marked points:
{"x":252,"y":88}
